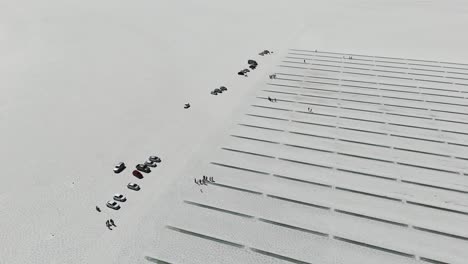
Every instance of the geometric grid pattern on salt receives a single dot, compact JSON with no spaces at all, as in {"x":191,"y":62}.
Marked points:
{"x":376,"y":172}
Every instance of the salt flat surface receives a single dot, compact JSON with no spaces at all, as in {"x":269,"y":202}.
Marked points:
{"x":375,"y":174}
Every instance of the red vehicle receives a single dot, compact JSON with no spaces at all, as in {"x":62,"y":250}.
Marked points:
{"x":137,"y":174}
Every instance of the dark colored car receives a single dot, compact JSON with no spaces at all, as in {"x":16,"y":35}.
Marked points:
{"x":223,"y":88}
{"x":217,"y":90}
{"x":119,"y":167}
{"x":214,"y":93}
{"x":253,"y":67}
{"x":252,"y":62}
{"x":143,"y":168}
{"x":137,"y":174}
{"x":265,"y":52}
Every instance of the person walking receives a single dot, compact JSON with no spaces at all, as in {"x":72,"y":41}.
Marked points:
{"x":112,"y":222}
{"x":98,"y":209}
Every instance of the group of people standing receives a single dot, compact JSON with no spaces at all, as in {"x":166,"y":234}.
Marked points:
{"x":204,"y":180}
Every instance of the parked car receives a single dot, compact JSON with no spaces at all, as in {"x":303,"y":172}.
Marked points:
{"x":119,"y":197}
{"x":155,"y":159}
{"x":265,"y":52}
{"x":252,"y":62}
{"x":214,"y":93}
{"x":133,"y":186}
{"x":217,"y":90}
{"x":137,"y":174}
{"x":119,"y":167}
{"x":223,"y":88}
{"x":143,"y":168}
{"x":151,"y":163}
{"x":113,"y":205}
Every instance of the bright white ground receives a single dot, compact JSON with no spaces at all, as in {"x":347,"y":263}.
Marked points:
{"x":85,"y":84}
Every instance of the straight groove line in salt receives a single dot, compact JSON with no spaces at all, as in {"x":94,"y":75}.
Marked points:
{"x":267,"y":128}
{"x":434,"y":186}
{"x":293,"y":227}
{"x":256,"y":139}
{"x":214,"y":239}
{"x":440,"y":233}
{"x":277,"y":256}
{"x":298,"y":202}
{"x":369,"y":194}
{"x":155,"y":260}
{"x":432,"y":261}
{"x":218,"y":209}
{"x":438,"y":208}
{"x":235,"y":188}
{"x":371,"y":218}
{"x":303,"y":181}
{"x":238,"y":168}
{"x":247,"y":152}
{"x":374,"y":247}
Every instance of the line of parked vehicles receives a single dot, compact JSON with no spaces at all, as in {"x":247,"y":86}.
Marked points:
{"x":139,"y":168}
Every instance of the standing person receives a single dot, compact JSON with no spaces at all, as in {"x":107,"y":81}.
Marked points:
{"x":269,"y":99}
{"x":304,"y":61}
{"x":108,"y":225}
{"x":196,"y":181}
{"x":98,"y":209}
{"x":112,"y":222}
